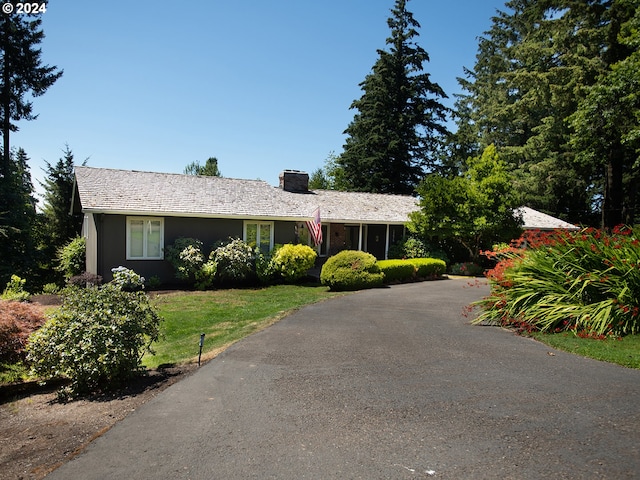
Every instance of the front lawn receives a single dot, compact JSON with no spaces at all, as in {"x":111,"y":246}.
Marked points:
{"x":624,"y":351}
{"x":224,"y":316}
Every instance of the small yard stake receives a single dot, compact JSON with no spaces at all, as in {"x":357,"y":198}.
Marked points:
{"x":201,"y":345}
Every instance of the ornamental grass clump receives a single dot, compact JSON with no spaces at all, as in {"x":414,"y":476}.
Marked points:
{"x":587,"y":282}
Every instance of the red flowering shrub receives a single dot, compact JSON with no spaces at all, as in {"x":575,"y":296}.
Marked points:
{"x":587,"y":282}
{"x":17,"y":321}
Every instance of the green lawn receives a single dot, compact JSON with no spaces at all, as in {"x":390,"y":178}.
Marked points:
{"x":624,"y":351}
{"x":224,"y":316}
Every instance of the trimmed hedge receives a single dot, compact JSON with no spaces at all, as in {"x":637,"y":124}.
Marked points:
{"x":351,"y":270}
{"x":411,"y":269}
{"x":397,"y":270}
{"x":428,"y":267}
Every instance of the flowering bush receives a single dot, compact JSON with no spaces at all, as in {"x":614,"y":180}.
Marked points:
{"x":292,"y":262}
{"x":235,"y":262}
{"x":127,"y":279}
{"x":97,"y":338}
{"x":587,"y":282}
{"x":186,"y":256}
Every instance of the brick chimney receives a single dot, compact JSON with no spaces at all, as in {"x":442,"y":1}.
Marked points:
{"x":294,"y":181}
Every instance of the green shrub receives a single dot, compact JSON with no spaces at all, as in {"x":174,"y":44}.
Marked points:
{"x":186,"y":257}
{"x":409,"y":247}
{"x":235,"y":262}
{"x":96,"y":338}
{"x":292,"y":262}
{"x":351,"y":270}
{"x":265,"y":269}
{"x":17,"y":321}
{"x":206,"y":275}
{"x":15,"y":290}
{"x":412,"y":247}
{"x":154,"y":282}
{"x":72,"y":257}
{"x":397,"y":270}
{"x":428,"y":267}
{"x":466,"y":268}
{"x":585,"y":282}
{"x":50,"y":288}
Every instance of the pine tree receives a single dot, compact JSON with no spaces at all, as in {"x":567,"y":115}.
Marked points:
{"x":534,"y":68}
{"x":18,"y":216}
{"x":607,"y":122}
{"x":60,"y":225}
{"x":210,"y":168}
{"x":399,"y":123}
{"x":22,"y":72}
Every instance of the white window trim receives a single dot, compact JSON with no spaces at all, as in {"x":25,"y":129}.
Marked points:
{"x":144,"y":243}
{"x":258,"y":223}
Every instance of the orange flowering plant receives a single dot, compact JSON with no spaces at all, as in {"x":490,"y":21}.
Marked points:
{"x":587,"y":282}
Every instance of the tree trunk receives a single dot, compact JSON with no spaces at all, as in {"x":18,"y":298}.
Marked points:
{"x":613,"y":190}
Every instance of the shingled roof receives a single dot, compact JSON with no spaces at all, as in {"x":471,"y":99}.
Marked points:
{"x":102,"y":190}
{"x":126,"y":192}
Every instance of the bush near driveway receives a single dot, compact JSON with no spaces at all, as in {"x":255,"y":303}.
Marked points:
{"x":428,"y":267}
{"x":587,"y":282}
{"x":351,"y":270}
{"x":97,"y":338}
{"x":397,"y":270}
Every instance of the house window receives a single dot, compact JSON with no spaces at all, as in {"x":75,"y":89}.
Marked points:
{"x":259,"y":235}
{"x":145,"y":238}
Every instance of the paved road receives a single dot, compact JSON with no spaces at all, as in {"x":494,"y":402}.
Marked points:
{"x":384,"y":384}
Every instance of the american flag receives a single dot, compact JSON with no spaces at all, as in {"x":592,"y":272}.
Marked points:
{"x":315,"y":227}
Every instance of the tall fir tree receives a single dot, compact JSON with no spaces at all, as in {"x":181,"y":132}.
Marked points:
{"x":22,"y":73}
{"x":533,"y":69}
{"x":17,"y":217}
{"x":399,"y":124}
{"x":60,"y":225}
{"x":607,"y":122}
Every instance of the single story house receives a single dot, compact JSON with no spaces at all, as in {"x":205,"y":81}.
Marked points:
{"x":130,"y":216}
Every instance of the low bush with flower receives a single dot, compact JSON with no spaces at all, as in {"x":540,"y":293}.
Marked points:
{"x":587,"y":282}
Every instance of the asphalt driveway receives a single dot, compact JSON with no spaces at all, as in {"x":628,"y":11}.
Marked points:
{"x":384,"y":384}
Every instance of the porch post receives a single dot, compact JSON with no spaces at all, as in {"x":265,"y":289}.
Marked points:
{"x":386,"y":244}
{"x":360,"y":238}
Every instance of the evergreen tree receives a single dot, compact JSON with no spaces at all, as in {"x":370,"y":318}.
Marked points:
{"x":60,"y":225}
{"x":18,"y":212}
{"x":22,"y":72}
{"x":534,"y":68}
{"x":210,"y":168}
{"x":607,"y":123}
{"x":399,"y":126}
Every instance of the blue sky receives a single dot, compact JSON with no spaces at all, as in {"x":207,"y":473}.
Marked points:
{"x":261,"y":85}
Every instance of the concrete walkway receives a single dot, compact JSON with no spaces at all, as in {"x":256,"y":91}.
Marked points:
{"x":384,"y":384}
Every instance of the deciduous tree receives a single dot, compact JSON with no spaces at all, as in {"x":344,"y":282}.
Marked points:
{"x":476,"y":208}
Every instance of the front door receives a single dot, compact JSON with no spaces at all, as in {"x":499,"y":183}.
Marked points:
{"x":376,"y":240}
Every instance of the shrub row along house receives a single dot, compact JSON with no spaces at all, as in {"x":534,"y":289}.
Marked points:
{"x":130,"y":216}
